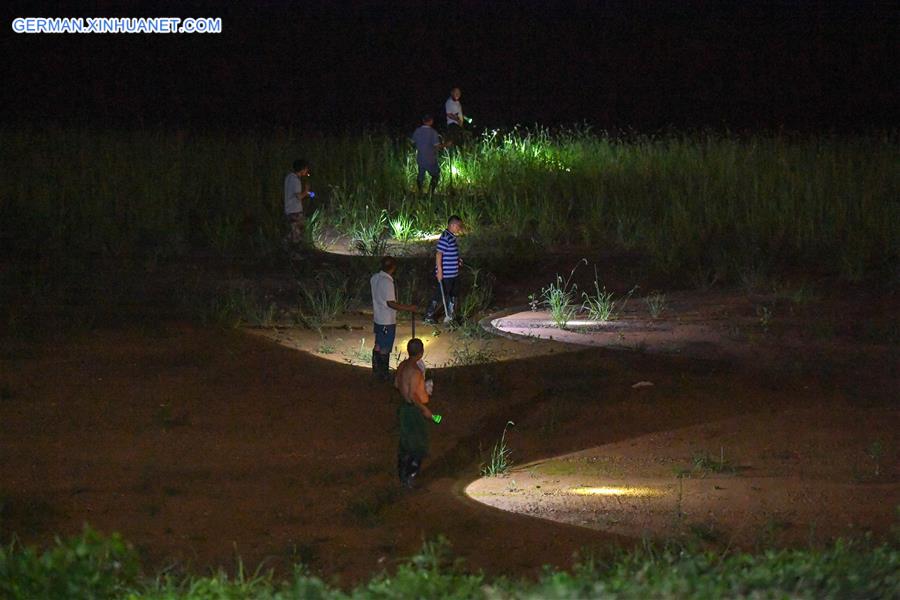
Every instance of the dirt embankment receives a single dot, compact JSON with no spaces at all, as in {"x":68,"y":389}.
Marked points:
{"x":199,"y":444}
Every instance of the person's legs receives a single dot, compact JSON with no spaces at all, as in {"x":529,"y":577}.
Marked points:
{"x":413,"y":442}
{"x":420,"y":178}
{"x":453,"y":134}
{"x":296,"y":223}
{"x":435,"y":304}
{"x":451,"y":286}
{"x":435,"y":172}
{"x":381,"y":353}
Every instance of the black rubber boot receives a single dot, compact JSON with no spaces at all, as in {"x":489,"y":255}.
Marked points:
{"x":429,"y":314}
{"x":381,"y":366}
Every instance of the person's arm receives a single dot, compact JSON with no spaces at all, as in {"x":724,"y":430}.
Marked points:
{"x":406,"y":307}
{"x":302,"y":190}
{"x":437,"y":143}
{"x":388,"y":292}
{"x":455,"y":117}
{"x":439,"y":262}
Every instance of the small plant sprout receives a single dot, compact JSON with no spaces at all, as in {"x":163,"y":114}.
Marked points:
{"x":500,"y":461}
{"x":656,"y":304}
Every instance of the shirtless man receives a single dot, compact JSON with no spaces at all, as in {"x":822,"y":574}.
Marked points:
{"x":413,"y":413}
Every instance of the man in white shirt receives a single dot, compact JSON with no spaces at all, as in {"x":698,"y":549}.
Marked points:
{"x":384,"y":314}
{"x":455,"y":119}
{"x":296,"y":190}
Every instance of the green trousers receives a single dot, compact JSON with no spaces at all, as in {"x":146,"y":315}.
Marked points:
{"x":413,"y":431}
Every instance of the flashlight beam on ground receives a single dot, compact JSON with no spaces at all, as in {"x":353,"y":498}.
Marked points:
{"x":616,"y":491}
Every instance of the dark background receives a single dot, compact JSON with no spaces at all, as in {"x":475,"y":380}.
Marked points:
{"x":325,"y":66}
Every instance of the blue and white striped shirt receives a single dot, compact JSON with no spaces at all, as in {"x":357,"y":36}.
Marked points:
{"x":449,"y":250}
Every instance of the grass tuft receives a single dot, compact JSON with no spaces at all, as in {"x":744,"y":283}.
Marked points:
{"x":500,"y":460}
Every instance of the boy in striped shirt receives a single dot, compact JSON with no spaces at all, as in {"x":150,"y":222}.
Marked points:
{"x":446,"y":271}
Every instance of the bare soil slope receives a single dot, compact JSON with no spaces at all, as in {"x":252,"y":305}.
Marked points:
{"x":200,"y":444}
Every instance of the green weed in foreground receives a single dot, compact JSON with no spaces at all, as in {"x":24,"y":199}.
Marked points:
{"x":87,"y":566}
{"x":92,"y":566}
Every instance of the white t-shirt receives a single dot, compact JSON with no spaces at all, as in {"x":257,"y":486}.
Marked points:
{"x":453,"y":107}
{"x":382,"y":291}
{"x":292,"y":187}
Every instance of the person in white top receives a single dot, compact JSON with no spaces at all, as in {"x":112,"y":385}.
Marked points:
{"x":296,"y":191}
{"x":453,"y":108}
{"x":384,"y":314}
{"x":455,"y":119}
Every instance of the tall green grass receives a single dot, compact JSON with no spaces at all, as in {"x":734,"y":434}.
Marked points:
{"x":689,"y":202}
{"x":92,"y":566}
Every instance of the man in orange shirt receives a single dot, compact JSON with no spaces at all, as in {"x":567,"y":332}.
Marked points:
{"x":413,"y":413}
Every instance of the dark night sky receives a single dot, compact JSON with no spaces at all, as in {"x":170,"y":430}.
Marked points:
{"x":332,"y":65}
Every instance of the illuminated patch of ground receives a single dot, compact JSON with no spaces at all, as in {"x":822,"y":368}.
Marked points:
{"x":790,"y":478}
{"x":332,"y":242}
{"x":689,"y":333}
{"x":350,"y":341}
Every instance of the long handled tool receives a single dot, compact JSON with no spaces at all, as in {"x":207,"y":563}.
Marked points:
{"x":447,"y":317}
